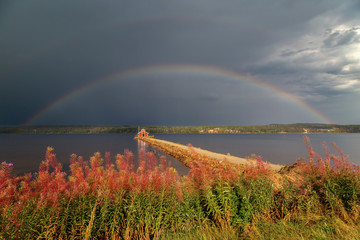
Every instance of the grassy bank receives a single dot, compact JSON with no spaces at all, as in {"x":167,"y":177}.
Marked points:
{"x":314,"y":199}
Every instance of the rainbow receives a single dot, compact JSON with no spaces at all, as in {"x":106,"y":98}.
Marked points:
{"x":181,"y":68}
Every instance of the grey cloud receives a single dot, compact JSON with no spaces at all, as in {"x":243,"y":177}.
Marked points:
{"x":288,"y":52}
{"x":323,"y":65}
{"x":339,"y":38}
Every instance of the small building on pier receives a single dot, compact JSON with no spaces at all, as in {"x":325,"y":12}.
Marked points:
{"x":143,"y":133}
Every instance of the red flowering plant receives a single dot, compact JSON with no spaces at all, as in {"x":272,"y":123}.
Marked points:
{"x":335,"y":179}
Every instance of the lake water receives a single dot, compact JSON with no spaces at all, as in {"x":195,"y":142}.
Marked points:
{"x":27,"y":151}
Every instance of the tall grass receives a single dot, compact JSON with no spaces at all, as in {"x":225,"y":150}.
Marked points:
{"x":108,"y":198}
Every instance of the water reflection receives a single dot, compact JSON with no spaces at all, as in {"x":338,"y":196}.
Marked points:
{"x":141,"y":146}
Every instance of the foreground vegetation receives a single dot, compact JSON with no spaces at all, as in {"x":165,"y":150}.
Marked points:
{"x":273,"y":128}
{"x":314,"y":199}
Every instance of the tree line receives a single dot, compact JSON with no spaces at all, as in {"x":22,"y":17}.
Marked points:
{"x":272,"y":128}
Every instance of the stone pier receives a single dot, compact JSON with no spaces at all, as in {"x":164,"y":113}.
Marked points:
{"x":184,"y":153}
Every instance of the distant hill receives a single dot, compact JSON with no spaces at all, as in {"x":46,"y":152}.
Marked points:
{"x":271,"y":128}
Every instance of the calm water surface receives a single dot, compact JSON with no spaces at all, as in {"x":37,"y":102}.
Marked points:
{"x":27,"y":151}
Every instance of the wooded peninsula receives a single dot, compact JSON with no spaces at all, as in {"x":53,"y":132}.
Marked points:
{"x":271,"y":128}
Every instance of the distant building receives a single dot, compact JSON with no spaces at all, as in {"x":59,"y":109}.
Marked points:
{"x":143,"y":133}
{"x":216,"y":130}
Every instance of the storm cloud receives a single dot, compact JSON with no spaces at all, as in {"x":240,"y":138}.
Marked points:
{"x":48,"y":49}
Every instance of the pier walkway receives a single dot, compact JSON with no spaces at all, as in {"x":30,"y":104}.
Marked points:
{"x":183,"y":153}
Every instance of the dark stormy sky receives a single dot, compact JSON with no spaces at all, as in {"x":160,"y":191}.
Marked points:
{"x":309,"y":49}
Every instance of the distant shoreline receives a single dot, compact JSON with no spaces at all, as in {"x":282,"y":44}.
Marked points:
{"x":303,"y":128}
